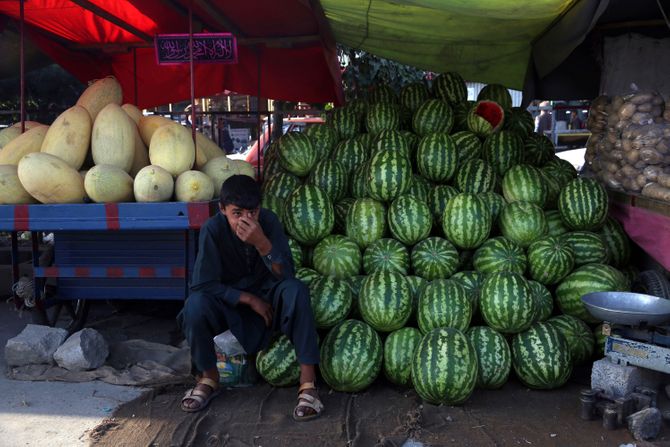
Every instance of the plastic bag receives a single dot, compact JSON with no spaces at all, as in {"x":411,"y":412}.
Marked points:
{"x":236,"y":368}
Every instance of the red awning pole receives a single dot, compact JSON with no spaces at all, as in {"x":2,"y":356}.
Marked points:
{"x":22,"y":70}
{"x":190,"y":60}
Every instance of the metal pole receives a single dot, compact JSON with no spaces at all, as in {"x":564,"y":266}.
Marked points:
{"x":22,"y":68}
{"x":258,"y":115}
{"x":190,"y":59}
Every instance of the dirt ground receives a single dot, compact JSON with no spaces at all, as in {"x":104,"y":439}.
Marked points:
{"x":384,"y":415}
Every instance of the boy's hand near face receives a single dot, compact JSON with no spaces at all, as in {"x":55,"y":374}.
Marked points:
{"x":249,"y":231}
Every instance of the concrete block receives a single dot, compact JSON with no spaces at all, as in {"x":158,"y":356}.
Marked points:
{"x":645,"y":424}
{"x":84,"y":350}
{"x":34,"y":345}
{"x":620,"y":380}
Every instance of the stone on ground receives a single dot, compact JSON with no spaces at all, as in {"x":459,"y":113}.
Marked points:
{"x":35,"y":344}
{"x":84,"y":350}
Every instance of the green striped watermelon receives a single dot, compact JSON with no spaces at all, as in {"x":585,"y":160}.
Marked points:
{"x":578,"y":335}
{"x":587,"y":278}
{"x":524,"y":183}
{"x":338,"y":256}
{"x":296,"y":252}
{"x":357,"y":106}
{"x":468,"y":146}
{"x":351,"y":356}
{"x":416,"y":284}
{"x":438,"y":197}
{"x":382,"y":116}
{"x":412,"y":141}
{"x":485,"y":118}
{"x":382,"y":93}
{"x":461,"y":113}
{"x":466,"y":221}
{"x":555,"y":225}
{"x":355,"y":284}
{"x":420,"y":188}
{"x":308,"y":214}
{"x":561,"y":169}
{"x":503,"y":150}
{"x":616,"y":241}
{"x":550,"y":259}
{"x":271,"y":161}
{"x":409,"y":219}
{"x":350,"y":153}
{"x":366,"y":140}
{"x":413,"y":95}
{"x":278,"y":363}
{"x":589,"y":247}
{"x":500,"y":254}
{"x":399,"y":349}
{"x":444,"y":367}
{"x":543,"y":300}
{"x":306,"y":275}
{"x":390,"y":140}
{"x":472,"y":281}
{"x":506,"y":302}
{"x":494,"y":358}
{"x":495,"y":202}
{"x":433,"y":116}
{"x":444,"y":303}
{"x":389,"y":175}
{"x":366,"y":221}
{"x":476,"y":176}
{"x":497,"y":93}
{"x":281,"y":184}
{"x":323,"y":138}
{"x":296,"y":153}
{"x":450,"y":87}
{"x":520,"y":121}
{"x":437,"y":157}
{"x":386,"y":254}
{"x":434,"y":258}
{"x":385,"y":301}
{"x":358,"y":181}
{"x":583,"y":204}
{"x":331,"y":177}
{"x":538,"y":149}
{"x":331,"y":300}
{"x":522,"y":222}
{"x":541,"y":357}
{"x":341,"y":208}
{"x":345,"y":122}
{"x":274,"y":204}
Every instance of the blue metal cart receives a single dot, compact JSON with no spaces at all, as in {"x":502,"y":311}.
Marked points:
{"x":114,"y":251}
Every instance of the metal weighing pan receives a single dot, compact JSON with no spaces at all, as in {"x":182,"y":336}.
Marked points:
{"x":633,"y":309}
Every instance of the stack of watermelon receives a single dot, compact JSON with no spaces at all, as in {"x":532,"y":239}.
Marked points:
{"x":443,"y":242}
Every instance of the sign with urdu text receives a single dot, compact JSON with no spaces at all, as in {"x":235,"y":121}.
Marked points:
{"x":207,"y":48}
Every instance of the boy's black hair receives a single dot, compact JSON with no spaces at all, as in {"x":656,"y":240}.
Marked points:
{"x":241,"y":191}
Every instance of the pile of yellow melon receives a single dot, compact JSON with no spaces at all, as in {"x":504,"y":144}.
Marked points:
{"x":44,"y":163}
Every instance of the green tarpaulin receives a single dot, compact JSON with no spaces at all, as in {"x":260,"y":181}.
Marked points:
{"x":484,"y":40}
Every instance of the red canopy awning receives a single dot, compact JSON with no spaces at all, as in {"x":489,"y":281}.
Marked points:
{"x":95,"y":38}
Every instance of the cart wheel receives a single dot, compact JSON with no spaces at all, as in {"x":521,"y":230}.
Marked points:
{"x":70,"y":315}
{"x":653,"y":282}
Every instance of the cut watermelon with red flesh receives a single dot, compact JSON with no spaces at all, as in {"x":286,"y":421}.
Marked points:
{"x":491,"y":112}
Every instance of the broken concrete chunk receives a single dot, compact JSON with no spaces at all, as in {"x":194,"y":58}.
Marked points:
{"x":34,"y":345}
{"x":645,"y":424}
{"x":84,"y":350}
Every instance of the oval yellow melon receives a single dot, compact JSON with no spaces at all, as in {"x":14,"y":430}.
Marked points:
{"x":219,"y":169}
{"x":99,"y":94}
{"x":172,"y":149}
{"x":244,"y":168}
{"x":12,"y":191}
{"x":133,"y":112}
{"x":141,"y":158}
{"x":193,"y":186}
{"x":113,"y":138}
{"x":208,"y":147}
{"x":50,"y":180}
{"x":147,"y":125}
{"x":28,"y":142}
{"x":69,"y":137}
{"x":153,"y":184}
{"x":107,"y":183}
{"x":9,"y":133}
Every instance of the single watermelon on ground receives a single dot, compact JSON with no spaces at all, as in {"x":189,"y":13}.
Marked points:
{"x":494,"y":358}
{"x":278,"y":363}
{"x":444,"y":367}
{"x":351,"y":356}
{"x":399,"y":348}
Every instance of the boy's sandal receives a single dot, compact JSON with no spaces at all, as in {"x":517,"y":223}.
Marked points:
{"x":305,"y":401}
{"x":201,"y":397}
